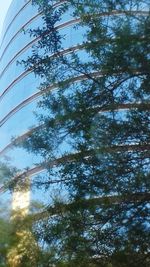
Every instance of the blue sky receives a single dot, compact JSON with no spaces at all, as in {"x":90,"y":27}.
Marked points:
{"x":4,"y":4}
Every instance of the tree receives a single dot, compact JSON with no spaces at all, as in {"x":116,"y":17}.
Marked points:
{"x":6,"y":173}
{"x":4,"y":240}
{"x":94,"y":132}
{"x":18,"y":247}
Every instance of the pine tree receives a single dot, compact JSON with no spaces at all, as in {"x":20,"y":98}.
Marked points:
{"x":94,"y":134}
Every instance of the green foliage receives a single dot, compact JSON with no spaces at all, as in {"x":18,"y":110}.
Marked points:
{"x":4,"y":241}
{"x":94,"y":137}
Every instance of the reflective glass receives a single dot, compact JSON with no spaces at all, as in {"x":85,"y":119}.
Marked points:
{"x":19,"y":93}
{"x":18,"y":124}
{"x":20,"y":89}
{"x":29,"y":159}
{"x":23,"y":17}
{"x":18,"y":43}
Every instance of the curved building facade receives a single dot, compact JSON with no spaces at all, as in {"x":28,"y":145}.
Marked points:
{"x":18,"y":87}
{"x":19,"y":94}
